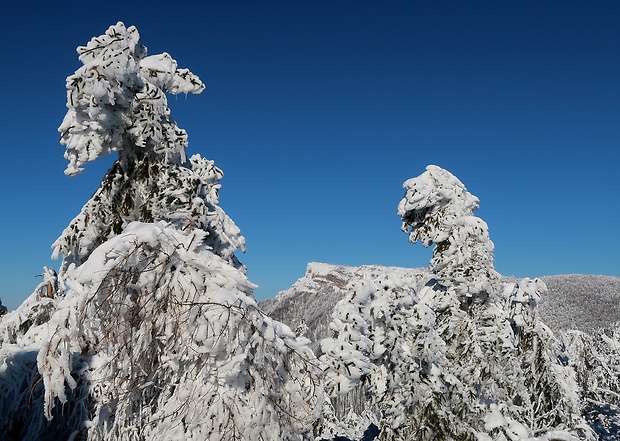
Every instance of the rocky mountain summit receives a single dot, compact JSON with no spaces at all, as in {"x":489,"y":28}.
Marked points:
{"x":308,"y":304}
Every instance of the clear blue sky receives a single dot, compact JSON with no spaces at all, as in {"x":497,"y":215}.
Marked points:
{"x":317,"y":111}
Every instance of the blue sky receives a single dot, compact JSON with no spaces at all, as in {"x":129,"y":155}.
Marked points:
{"x":318,"y":111}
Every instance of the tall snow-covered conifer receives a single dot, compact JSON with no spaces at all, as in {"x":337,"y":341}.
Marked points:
{"x":157,"y":336}
{"x":463,"y":357}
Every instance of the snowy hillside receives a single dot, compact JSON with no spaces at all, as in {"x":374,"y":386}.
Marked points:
{"x":581,"y":302}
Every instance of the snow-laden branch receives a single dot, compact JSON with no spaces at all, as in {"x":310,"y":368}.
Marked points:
{"x":176,"y":345}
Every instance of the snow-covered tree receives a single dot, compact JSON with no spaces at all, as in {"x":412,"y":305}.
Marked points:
{"x":3,"y":309}
{"x":464,"y":355}
{"x":154,"y":332}
{"x":117,"y":102}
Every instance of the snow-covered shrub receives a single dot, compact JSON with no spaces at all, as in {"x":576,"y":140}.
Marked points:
{"x":551,"y":384}
{"x":352,"y":426}
{"x":22,"y":326}
{"x":174,"y":346}
{"x":22,"y":333}
{"x":22,"y":400}
{"x":463,"y":356}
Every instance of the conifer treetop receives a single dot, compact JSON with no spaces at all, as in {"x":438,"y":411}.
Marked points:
{"x":117,"y":101}
{"x":433,"y":201}
{"x":438,"y":209}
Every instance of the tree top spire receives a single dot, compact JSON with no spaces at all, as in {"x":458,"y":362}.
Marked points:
{"x":117,"y":101}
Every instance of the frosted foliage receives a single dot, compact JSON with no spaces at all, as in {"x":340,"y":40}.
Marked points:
{"x":21,"y":400}
{"x":21,"y":327}
{"x":352,"y":426}
{"x":117,"y":101}
{"x":433,"y":202}
{"x":433,"y":370}
{"x":22,"y":332}
{"x":172,"y":346}
{"x":146,"y":191}
{"x":437,"y":209}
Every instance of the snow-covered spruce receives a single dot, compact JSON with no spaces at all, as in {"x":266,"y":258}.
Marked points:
{"x":118,"y":100}
{"x":150,"y":329}
{"x":437,"y":209}
{"x":463,"y":356}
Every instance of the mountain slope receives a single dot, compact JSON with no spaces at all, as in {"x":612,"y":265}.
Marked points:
{"x":573,"y":302}
{"x":581,"y":302}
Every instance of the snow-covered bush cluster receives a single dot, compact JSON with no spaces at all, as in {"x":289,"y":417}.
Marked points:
{"x":150,"y":331}
{"x":596,"y":360}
